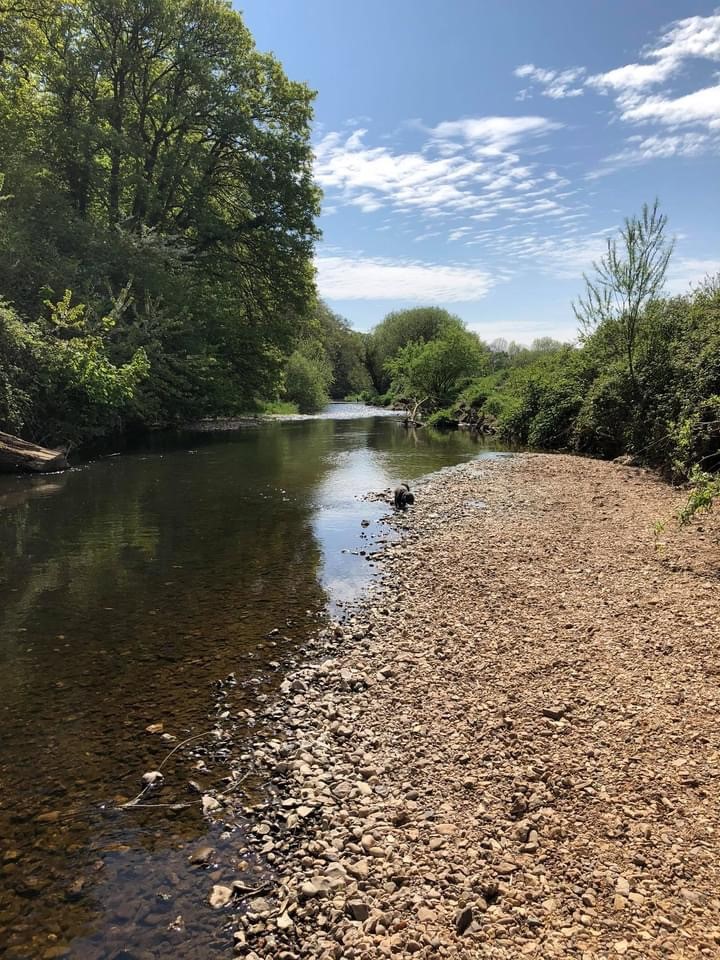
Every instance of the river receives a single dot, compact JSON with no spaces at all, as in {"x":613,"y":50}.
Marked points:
{"x":129,"y":586}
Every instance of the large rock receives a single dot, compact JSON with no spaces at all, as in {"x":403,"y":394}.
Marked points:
{"x":19,"y":456}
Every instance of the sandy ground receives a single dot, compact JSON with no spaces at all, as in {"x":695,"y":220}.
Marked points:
{"x":513,"y":750}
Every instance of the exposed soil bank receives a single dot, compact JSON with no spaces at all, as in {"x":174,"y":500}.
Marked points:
{"x":515,"y":748}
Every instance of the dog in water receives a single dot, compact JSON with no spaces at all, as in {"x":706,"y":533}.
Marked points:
{"x":403,"y":497}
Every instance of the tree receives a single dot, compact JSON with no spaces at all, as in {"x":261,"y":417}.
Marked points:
{"x":627,"y":278}
{"x":397,"y":329}
{"x":149,"y":143}
{"x":307,"y":379}
{"x":433,"y":373}
{"x":57,"y":381}
{"x":546,"y":345}
{"x":346,"y":351}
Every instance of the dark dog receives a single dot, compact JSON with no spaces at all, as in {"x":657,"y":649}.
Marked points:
{"x":403,"y":497}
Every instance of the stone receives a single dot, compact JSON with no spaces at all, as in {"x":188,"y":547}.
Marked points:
{"x":622,"y":886}
{"x":463,"y":919}
{"x":358,"y":910}
{"x":210,"y":805}
{"x":201,"y":855}
{"x":284,"y":921}
{"x":52,"y":816}
{"x":360,"y":869}
{"x":220,"y":896}
{"x":555,"y":712}
{"x":153,"y":778}
{"x":309,"y":890}
{"x":260,"y":907}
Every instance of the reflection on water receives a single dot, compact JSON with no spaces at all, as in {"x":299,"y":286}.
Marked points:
{"x":128,"y":586}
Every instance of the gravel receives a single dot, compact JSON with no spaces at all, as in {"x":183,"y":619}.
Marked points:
{"x":512,"y":748}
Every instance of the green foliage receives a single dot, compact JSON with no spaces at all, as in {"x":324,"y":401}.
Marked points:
{"x":307,"y":378}
{"x":627,"y":279}
{"x":280,"y":408}
{"x":18,"y":372}
{"x":346,"y":352}
{"x":585,"y":399}
{"x":56,"y":379}
{"x":397,"y":330}
{"x":645,"y":379}
{"x":705,"y":491}
{"x":151,"y":155}
{"x":435,"y":371}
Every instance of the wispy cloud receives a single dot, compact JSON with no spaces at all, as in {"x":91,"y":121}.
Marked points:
{"x":687,"y":272}
{"x":495,"y":133}
{"x":463,"y":166}
{"x":660,"y":146}
{"x":643,"y":95}
{"x":359,"y":278}
{"x":700,"y":107}
{"x":555,"y":84}
{"x":690,"y":38}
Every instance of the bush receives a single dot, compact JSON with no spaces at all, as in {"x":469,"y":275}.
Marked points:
{"x":19,"y":353}
{"x":306,"y":383}
{"x":57,"y":382}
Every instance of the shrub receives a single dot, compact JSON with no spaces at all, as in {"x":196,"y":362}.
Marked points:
{"x":306,"y":383}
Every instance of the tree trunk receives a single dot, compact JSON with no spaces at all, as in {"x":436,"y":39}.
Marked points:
{"x":19,"y":456}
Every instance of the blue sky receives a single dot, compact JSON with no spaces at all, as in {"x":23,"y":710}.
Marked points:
{"x":476,"y":154}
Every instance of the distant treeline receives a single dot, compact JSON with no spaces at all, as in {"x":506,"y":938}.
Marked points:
{"x":643,"y":379}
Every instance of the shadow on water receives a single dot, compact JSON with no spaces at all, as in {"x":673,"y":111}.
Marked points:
{"x":128,"y":587}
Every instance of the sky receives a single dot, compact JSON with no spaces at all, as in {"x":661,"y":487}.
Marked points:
{"x":476,"y":154}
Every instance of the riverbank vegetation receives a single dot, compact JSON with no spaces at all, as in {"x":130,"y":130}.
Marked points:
{"x":157,"y":216}
{"x":643,"y":379}
{"x":157,"y":224}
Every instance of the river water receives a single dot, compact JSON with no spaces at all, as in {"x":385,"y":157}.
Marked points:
{"x":129,"y":586}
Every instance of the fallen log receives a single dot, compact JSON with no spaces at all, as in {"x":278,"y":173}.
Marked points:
{"x":20,"y":456}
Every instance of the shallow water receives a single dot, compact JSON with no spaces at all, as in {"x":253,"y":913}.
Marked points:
{"x":128,"y":587}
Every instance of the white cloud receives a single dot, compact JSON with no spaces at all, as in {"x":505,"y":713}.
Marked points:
{"x":690,"y":38}
{"x":687,"y":272}
{"x":464,"y":166}
{"x":497,"y":132}
{"x":661,"y":146}
{"x":700,"y":107}
{"x":351,"y":278}
{"x":642,"y":96}
{"x":556,"y":84}
{"x":564,"y":255}
{"x":634,"y":76}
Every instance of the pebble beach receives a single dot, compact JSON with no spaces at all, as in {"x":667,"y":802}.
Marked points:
{"x":511,"y":748}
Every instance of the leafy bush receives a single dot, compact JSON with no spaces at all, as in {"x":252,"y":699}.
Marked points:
{"x":19,"y":360}
{"x":306,"y":382}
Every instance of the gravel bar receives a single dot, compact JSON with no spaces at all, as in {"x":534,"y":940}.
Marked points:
{"x":512,"y":748}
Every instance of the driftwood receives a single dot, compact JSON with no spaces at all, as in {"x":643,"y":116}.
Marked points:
{"x":19,"y":456}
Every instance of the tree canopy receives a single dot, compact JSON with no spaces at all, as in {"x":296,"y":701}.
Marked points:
{"x":419,"y":324}
{"x":150,"y":152}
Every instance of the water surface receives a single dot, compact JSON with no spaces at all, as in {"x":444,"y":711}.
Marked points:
{"x":128,"y":587}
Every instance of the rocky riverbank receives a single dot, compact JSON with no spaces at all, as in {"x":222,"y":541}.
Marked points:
{"x":512,"y":749}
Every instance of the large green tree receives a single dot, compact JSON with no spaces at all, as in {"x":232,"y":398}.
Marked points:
{"x":148,"y":142}
{"x":432,"y":374}
{"x":396,"y":330}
